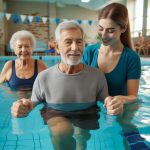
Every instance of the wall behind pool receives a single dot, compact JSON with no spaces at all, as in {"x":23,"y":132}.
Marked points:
{"x":35,"y":57}
{"x":144,"y":61}
{"x":48,"y":60}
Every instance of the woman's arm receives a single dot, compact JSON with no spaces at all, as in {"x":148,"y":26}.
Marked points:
{"x":115,"y":104}
{"x":6,"y":72}
{"x":132,"y":91}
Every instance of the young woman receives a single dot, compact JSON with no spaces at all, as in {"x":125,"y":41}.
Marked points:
{"x":116,"y":57}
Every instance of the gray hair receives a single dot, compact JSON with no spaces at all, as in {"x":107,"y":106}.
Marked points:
{"x":64,"y":26}
{"x":20,"y":35}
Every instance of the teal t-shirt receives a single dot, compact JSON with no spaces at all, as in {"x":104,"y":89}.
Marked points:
{"x":128,"y":67}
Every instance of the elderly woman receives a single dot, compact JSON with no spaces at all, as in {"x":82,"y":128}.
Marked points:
{"x":21,"y":73}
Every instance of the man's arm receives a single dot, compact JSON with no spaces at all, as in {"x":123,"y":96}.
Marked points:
{"x":22,"y":107}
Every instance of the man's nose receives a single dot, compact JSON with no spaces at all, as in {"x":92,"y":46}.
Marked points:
{"x":74,"y":46}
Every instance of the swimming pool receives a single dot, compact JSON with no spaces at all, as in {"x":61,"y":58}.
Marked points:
{"x":131,"y":130}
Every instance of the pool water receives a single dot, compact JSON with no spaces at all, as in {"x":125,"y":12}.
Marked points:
{"x":128,"y":131}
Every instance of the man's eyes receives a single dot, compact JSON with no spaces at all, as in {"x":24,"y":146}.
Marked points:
{"x":78,"y":42}
{"x":68,"y":42}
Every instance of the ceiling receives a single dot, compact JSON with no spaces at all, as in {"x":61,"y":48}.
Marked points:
{"x":93,"y":4}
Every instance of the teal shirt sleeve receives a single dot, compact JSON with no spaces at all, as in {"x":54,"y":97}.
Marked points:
{"x":134,"y":66}
{"x":90,"y":55}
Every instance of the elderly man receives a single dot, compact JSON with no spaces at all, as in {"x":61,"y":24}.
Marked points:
{"x":70,"y":90}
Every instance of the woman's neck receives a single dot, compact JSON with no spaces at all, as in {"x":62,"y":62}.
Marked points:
{"x":113,"y":48}
{"x":25,"y":62}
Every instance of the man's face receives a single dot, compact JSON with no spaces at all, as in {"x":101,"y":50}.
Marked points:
{"x":71,"y":46}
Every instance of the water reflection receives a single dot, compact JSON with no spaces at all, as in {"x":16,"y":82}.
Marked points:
{"x":114,"y":132}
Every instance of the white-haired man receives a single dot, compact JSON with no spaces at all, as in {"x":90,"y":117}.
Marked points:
{"x":70,"y":90}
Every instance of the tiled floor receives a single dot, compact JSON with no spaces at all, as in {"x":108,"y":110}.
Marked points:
{"x":26,"y":142}
{"x":136,"y":142}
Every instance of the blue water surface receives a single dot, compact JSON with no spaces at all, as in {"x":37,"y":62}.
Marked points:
{"x":128,"y":131}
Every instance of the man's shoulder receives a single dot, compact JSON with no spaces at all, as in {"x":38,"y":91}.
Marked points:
{"x":94,"y":74}
{"x":93,"y":70}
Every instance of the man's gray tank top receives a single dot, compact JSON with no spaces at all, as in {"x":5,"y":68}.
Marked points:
{"x":70,"y":92}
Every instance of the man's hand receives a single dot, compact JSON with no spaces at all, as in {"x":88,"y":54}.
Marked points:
{"x":21,"y":107}
{"x":114,"y":105}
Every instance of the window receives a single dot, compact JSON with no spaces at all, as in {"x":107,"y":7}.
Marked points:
{"x":135,"y":8}
{"x":138,"y":21}
{"x":148,"y":19}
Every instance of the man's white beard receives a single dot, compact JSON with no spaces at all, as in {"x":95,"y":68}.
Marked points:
{"x":71,"y":62}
